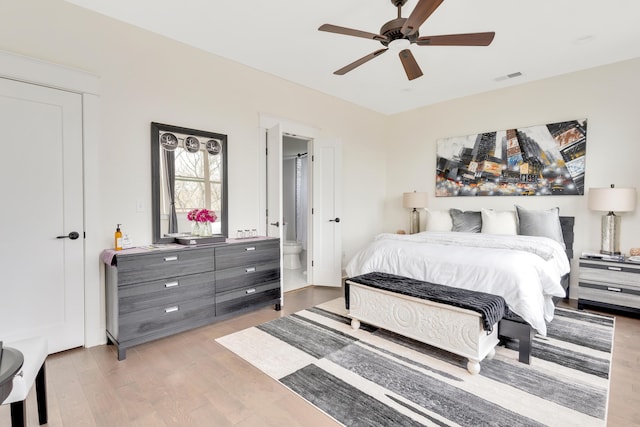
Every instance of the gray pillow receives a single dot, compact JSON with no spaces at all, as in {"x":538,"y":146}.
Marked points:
{"x":468,"y":221}
{"x":545,"y":223}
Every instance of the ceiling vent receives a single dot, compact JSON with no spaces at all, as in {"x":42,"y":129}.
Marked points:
{"x":508,"y":76}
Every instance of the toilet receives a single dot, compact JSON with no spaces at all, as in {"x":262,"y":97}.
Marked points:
{"x":291,"y":255}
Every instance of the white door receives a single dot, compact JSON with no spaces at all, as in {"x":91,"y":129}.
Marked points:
{"x":327,"y":208}
{"x":42,"y":285}
{"x":274,"y":184}
{"x":275,"y":226}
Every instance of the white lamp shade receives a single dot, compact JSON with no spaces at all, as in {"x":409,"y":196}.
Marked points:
{"x":612,"y":199}
{"x":414,"y":200}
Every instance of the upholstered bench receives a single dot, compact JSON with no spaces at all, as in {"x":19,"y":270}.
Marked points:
{"x":456,"y":320}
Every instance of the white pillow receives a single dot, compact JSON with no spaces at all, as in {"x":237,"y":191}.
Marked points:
{"x":438,"y":221}
{"x":495,"y":222}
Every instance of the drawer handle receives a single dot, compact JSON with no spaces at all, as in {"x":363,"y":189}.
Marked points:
{"x":250,"y":248}
{"x":250,"y":291}
{"x":171,"y":258}
{"x":609,"y":288}
{"x":614,"y":268}
{"x":171,"y":309}
{"x":250,"y":270}
{"x":171,"y":284}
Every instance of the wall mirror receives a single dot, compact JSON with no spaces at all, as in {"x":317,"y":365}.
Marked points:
{"x":188,"y":172}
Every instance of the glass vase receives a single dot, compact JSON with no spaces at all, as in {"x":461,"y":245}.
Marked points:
{"x":195,"y":228}
{"x":205,"y":229}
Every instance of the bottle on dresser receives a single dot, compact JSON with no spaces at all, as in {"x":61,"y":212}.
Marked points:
{"x":118,"y":239}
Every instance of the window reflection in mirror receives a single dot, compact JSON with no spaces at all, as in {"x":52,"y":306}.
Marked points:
{"x":188,"y":172}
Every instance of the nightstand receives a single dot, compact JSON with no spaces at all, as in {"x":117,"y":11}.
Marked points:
{"x":609,"y":284}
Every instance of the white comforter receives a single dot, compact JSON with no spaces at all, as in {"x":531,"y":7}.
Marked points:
{"x":524,"y":270}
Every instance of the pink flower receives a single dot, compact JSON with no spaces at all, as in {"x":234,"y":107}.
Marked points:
{"x":202,"y":215}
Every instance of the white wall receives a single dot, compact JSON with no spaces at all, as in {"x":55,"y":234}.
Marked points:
{"x":608,"y":96}
{"x":146,"y":77}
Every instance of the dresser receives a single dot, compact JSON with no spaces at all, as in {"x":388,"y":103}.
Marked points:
{"x":609,"y":284}
{"x":155,"y":293}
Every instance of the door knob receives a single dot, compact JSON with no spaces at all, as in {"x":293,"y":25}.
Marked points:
{"x":335,"y":220}
{"x":277,"y":224}
{"x":73,"y":236}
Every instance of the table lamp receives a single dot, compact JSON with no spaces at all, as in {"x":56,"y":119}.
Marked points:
{"x":414,"y":201}
{"x":610,"y":200}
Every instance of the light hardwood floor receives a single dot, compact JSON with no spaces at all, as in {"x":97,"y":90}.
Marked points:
{"x":190,"y":380}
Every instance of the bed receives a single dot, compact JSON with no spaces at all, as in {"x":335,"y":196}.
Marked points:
{"x":529,"y":272}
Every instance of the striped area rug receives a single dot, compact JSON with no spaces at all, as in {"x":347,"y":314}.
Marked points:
{"x":371,"y":377}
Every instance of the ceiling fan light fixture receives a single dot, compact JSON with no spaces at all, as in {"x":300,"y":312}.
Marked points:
{"x":399,"y":44}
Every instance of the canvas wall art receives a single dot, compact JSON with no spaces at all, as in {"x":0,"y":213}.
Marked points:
{"x":541,"y":160}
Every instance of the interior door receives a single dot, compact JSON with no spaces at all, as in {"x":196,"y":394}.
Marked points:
{"x":41,"y":168}
{"x":274,"y":183}
{"x":275,"y":226}
{"x":327,"y":210}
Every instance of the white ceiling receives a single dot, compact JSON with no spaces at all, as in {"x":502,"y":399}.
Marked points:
{"x":539,"y":39}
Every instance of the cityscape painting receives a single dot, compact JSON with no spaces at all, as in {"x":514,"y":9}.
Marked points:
{"x":539,"y":160}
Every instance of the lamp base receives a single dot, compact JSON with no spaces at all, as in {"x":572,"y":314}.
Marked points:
{"x":610,"y":235}
{"x":414,"y":221}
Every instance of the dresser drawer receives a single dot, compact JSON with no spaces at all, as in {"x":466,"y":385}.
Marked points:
{"x":251,"y":296}
{"x":166,"y":292}
{"x":163,"y":264}
{"x":242,"y":277}
{"x":166,"y":320}
{"x":609,"y":294}
{"x":247,"y":254}
{"x":610,"y":273}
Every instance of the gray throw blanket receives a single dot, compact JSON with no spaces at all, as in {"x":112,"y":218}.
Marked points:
{"x":491,"y":307}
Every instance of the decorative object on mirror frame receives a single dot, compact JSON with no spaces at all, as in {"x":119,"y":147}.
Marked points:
{"x":610,"y":200}
{"x":415,"y":200}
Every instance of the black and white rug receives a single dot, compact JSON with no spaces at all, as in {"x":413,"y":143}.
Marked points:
{"x":371,"y":377}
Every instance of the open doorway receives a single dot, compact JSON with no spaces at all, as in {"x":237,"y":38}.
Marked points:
{"x":324,"y":190}
{"x":296,"y":202}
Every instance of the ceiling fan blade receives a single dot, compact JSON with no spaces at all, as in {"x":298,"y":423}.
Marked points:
{"x":471,"y":39}
{"x":351,"y":32}
{"x":359,"y":62}
{"x":410,"y":65}
{"x":420,"y":13}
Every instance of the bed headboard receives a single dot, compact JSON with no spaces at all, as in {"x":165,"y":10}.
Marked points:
{"x":566,"y":222}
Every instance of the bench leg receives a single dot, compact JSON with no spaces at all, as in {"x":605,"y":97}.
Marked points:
{"x":355,"y":323}
{"x":41,"y":395}
{"x":491,"y":354}
{"x":473,"y":366}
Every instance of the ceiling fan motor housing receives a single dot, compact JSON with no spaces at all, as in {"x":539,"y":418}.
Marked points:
{"x":392,"y":30}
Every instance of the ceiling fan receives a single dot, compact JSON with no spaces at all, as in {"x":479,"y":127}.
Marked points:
{"x":401,"y":32}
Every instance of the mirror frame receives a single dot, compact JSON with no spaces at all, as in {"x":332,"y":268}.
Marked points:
{"x":156,"y":179}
